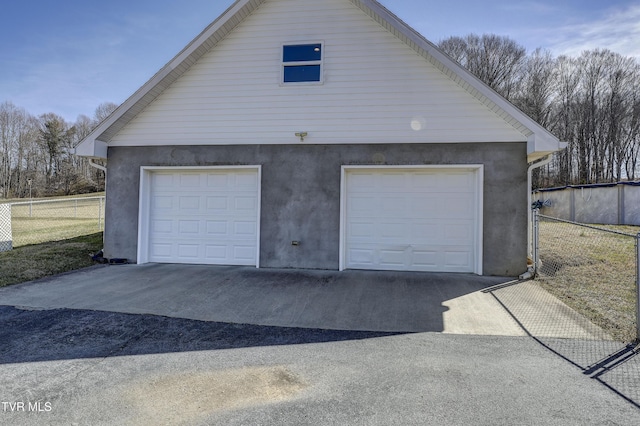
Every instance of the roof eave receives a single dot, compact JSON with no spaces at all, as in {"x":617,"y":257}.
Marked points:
{"x":91,"y":148}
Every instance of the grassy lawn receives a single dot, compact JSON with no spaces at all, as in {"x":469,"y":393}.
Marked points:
{"x":36,"y":230}
{"x":55,"y":220}
{"x":31,"y":262}
{"x":593,"y":272}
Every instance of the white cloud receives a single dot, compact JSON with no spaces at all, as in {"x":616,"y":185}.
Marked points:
{"x":618,"y":31}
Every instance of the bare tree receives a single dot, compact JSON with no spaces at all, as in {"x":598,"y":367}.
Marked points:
{"x":591,"y":101}
{"x":103,"y":111}
{"x":494,"y":59}
{"x":538,"y":76}
{"x":17,"y":133}
{"x":41,"y":151}
{"x":632,"y":132}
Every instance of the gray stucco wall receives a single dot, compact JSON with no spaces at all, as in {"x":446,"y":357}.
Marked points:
{"x":630,"y":205}
{"x":609,"y":205}
{"x":301,"y":195}
{"x":596,"y":205}
{"x":560,"y":203}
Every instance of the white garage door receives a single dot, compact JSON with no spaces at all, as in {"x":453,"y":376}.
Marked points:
{"x":412,"y":219}
{"x":206,"y":217}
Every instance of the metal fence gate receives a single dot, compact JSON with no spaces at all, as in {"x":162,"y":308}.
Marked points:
{"x":593,"y":269}
{"x":583,"y":302}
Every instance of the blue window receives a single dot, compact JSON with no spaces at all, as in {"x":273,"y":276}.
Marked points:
{"x":302,"y":63}
{"x":302,"y":53}
{"x":301,"y":73}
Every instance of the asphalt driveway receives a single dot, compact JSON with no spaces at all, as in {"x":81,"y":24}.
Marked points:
{"x":349,"y":300}
{"x":78,"y":365}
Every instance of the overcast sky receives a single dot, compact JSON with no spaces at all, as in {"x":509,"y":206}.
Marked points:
{"x":67,"y":57}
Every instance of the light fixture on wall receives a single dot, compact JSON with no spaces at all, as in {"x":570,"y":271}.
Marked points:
{"x":301,"y":135}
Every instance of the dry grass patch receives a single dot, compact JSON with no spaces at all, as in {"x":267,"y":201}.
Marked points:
{"x":593,"y":272}
{"x":41,"y":260}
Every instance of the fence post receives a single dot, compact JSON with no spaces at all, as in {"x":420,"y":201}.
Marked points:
{"x":536,"y":240}
{"x":638,"y":287}
{"x":100,"y":214}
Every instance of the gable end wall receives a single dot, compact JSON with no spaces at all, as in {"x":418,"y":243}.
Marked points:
{"x":376,"y":89}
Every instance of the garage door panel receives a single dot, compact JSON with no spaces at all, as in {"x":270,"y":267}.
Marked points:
{"x":392,"y":258}
{"x":362,"y":229}
{"x":247,"y":229}
{"x":162,"y":202}
{"x":161,"y":250}
{"x":361,"y":180}
{"x":217,"y":227}
{"x":427,"y":182}
{"x":392,"y":181}
{"x":246,"y":181}
{"x":394,"y":206}
{"x":245,"y":253}
{"x":217,"y":180}
{"x":218,"y":204}
{"x":189,"y":227}
{"x":426,"y":260}
{"x":204,"y":217}
{"x":162,"y":180}
{"x":393,"y":230}
{"x":161,"y":226}
{"x":362,"y":206}
{"x":426,"y":231}
{"x":457,"y":258}
{"x":361,"y":256}
{"x":216,"y":253}
{"x":427,"y":205}
{"x":246,"y":204}
{"x":190,"y":181}
{"x":189,"y":203}
{"x":410,"y":219}
{"x":188,"y":251}
{"x":458,"y":182}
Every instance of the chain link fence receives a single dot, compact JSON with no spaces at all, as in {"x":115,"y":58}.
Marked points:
{"x":35,"y":222}
{"x":593,"y":270}
{"x":583,"y":302}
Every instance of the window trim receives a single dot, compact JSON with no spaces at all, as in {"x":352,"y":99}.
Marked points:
{"x":284,"y":64}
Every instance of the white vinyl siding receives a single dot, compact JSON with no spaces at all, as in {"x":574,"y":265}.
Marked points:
{"x":201,"y":216}
{"x":412,"y":219}
{"x":375,"y":89}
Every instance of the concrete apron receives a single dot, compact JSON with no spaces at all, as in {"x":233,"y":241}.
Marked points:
{"x":349,"y":300}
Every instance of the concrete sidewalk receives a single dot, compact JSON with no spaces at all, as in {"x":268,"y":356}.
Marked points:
{"x":349,"y":300}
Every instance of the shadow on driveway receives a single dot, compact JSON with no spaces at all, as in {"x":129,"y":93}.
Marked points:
{"x":574,"y":338}
{"x":61,"y":334}
{"x":161,"y":308}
